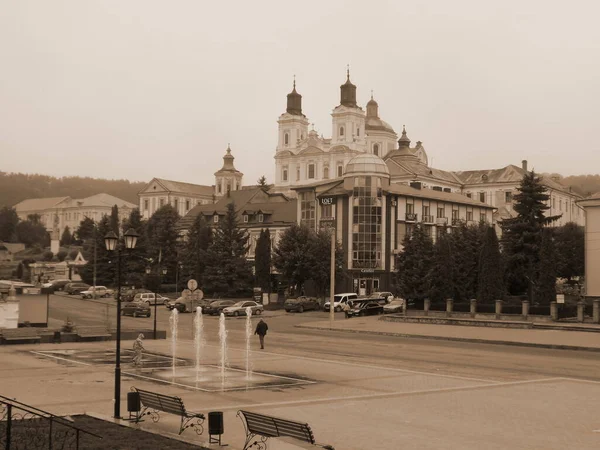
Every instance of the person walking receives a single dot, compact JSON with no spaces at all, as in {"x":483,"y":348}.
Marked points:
{"x":138,"y":348}
{"x":261,"y":330}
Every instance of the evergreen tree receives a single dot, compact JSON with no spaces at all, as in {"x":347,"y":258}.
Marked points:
{"x":522,"y":235}
{"x":292,"y":256}
{"x":262,"y":181}
{"x":106,"y":262}
{"x":228,"y":272}
{"x":32,"y":232}
{"x":85,"y":230}
{"x":441,"y":276}
{"x":162,"y":234}
{"x":66,"y":237}
{"x":135,"y":260}
{"x":114,"y":220}
{"x":262,"y":260}
{"x":466,"y":245}
{"x":8,"y":224}
{"x":490,"y":285}
{"x":414,"y":265}
{"x":569,"y":243}
{"x":61,"y":255}
{"x":545,"y":285}
{"x":194,"y":250}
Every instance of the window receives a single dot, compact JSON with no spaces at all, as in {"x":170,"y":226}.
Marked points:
{"x":455,"y":214}
{"x":340,"y":170}
{"x":215,"y":219}
{"x":441,"y":212}
{"x":245,"y":218}
{"x":376,"y":149}
{"x":469,"y":195}
{"x":553,"y":202}
{"x":469,"y":216}
{"x":297,"y":173}
{"x":146,"y":205}
{"x":187,"y":205}
{"x":161,"y":202}
{"x":560,"y":204}
{"x":366,"y":222}
{"x":358,"y":132}
{"x":284,"y":174}
{"x":311,"y":171}
{"x":307,"y":209}
{"x":325,"y":172}
{"x":176,"y":205}
{"x":326,"y":211}
{"x":482,"y":217}
{"x":286,"y":139}
{"x":261,"y":218}
{"x":426,"y":213}
{"x":508,"y":197}
{"x":482,"y":197}
{"x":341,"y":131}
{"x":410,"y":208}
{"x":219,"y":187}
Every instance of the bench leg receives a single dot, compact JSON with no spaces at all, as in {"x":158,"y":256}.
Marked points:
{"x":153,"y":413}
{"x":197,"y":423}
{"x":258,"y":444}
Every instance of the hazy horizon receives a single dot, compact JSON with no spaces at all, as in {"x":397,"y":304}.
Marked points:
{"x":141,"y":89}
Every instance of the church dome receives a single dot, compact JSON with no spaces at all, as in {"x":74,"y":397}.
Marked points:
{"x":366,"y":164}
{"x":375,"y":123}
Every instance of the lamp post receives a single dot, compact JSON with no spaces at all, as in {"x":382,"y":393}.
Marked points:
{"x":156,"y":286}
{"x":112,"y":243}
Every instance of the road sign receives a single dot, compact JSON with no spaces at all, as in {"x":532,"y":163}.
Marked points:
{"x":197,"y":295}
{"x":186,"y":293}
{"x":560,"y":298}
{"x":192,"y":285}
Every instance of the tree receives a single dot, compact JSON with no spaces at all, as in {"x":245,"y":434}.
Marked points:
{"x":73,"y":254}
{"x":31,"y":232}
{"x":162,"y":239}
{"x":262,"y":181}
{"x":441,"y":276}
{"x":194,"y":250}
{"x":114,"y":220}
{"x":48,"y":255}
{"x":228,"y":272}
{"x":61,"y":255}
{"x":320,"y":252}
{"x":466,"y":245}
{"x":522,"y":235}
{"x":292,"y":256}
{"x":414,"y":265}
{"x":490,"y":285}
{"x":135,"y":263}
{"x":545,"y":285}
{"x":8,"y":224}
{"x":569,"y":243}
{"x":85,"y":230}
{"x":66,"y":237}
{"x":262,"y":260}
{"x":106,"y":262}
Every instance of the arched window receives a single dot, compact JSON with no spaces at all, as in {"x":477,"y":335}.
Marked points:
{"x":340,"y":170}
{"x":376,"y":149}
{"x":286,"y":139}
{"x":311,"y":171}
{"x":326,"y":172}
{"x":284,"y":174}
{"x":358,"y":132}
{"x":341,"y":131}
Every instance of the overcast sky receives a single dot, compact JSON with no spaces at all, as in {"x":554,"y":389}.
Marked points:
{"x":138,"y":89}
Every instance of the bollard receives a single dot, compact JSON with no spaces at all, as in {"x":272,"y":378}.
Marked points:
{"x":473,"y":308}
{"x":596,"y":313}
{"x":580,"y":309}
{"x":426,"y":306}
{"x":554,"y":311}
{"x":525,"y":310}
{"x":498,"y":308}
{"x":449,"y":306}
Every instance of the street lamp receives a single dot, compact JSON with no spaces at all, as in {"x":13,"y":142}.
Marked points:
{"x":159,"y":271}
{"x":111,"y":241}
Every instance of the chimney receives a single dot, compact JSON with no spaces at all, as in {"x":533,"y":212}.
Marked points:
{"x":524,"y":165}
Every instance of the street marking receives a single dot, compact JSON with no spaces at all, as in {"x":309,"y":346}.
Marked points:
{"x":46,"y":355}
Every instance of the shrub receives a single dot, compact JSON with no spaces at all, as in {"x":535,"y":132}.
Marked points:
{"x":48,"y":255}
{"x":73,"y":254}
{"x":61,"y":255}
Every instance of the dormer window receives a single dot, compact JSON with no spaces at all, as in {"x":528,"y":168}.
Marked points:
{"x":261,"y":218}
{"x":215,"y":218}
{"x":326,"y":172}
{"x":245,"y":218}
{"x":341,"y":131}
{"x":358,"y":132}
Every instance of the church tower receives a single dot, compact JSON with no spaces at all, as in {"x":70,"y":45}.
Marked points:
{"x":348,"y":119}
{"x":293,"y":125}
{"x":228,"y":178}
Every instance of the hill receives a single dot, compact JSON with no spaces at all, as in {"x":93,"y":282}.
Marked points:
{"x":16,"y":187}
{"x":582,"y":184}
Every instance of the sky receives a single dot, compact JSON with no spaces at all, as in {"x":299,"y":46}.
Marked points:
{"x":138,"y":89}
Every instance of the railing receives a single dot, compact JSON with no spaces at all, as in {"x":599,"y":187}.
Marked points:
{"x":441,"y":220}
{"x":24,"y":427}
{"x":411,"y":217}
{"x":427,"y":219}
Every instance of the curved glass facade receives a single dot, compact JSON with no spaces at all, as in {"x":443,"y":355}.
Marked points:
{"x":366,"y":222}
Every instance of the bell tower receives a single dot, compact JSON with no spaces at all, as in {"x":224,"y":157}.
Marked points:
{"x":227,"y":178}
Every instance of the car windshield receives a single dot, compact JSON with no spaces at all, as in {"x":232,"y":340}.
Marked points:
{"x":396,"y":302}
{"x":239,"y":304}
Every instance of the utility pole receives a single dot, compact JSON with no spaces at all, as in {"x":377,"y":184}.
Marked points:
{"x":94,"y":293}
{"x":332,"y":280}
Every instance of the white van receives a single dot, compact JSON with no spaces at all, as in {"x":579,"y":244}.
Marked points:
{"x":339,"y":300}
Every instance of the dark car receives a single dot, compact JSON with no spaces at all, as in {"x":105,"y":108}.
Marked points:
{"x":382,"y":297}
{"x":58,"y":285}
{"x":216,"y":307}
{"x":361,"y":309}
{"x":128,"y":294}
{"x":301,"y":304}
{"x":136,"y":309}
{"x":76,"y":288}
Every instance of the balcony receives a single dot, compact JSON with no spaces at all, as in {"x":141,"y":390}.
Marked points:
{"x":456,"y":221}
{"x":428,"y":219}
{"x":411,"y":217}
{"x":441,"y":221}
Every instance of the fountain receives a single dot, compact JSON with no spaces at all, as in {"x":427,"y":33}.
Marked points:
{"x":174,"y":320}
{"x":223,"y":347}
{"x":198,"y":338}
{"x":248,"y":337}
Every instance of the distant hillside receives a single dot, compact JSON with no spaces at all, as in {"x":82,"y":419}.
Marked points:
{"x":15,"y":187}
{"x":581,"y":184}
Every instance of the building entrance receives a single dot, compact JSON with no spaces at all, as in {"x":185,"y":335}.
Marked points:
{"x":366,"y":286}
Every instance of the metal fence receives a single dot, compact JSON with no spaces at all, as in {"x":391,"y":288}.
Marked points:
{"x":24,"y":427}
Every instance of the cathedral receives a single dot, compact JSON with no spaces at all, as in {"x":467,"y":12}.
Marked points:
{"x":303,"y":157}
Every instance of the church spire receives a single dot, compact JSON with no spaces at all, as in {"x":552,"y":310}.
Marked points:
{"x":372,"y":108}
{"x":294,"y":102}
{"x":348,"y":92}
{"x":404,"y":141}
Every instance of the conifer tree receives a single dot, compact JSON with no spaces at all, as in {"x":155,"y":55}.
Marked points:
{"x":490,"y":285}
{"x":228,"y":272}
{"x":136,"y":260}
{"x":106,"y":262}
{"x":262,"y":260}
{"x":545,"y":285}
{"x":66,"y":237}
{"x":162,"y":243}
{"x":114,"y":220}
{"x":570,"y":254}
{"x":441,"y":275}
{"x":85,"y":230}
{"x":414,"y":265}
{"x":292,"y":256}
{"x":262,"y":181}
{"x":194,"y":250}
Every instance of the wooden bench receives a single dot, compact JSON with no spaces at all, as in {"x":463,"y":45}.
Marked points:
{"x":93,"y":334}
{"x":152,"y":403}
{"x":268,"y":426}
{"x":18,"y":335}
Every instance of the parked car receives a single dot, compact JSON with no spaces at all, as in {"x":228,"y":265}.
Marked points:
{"x":136,"y":309}
{"x":128,"y":294}
{"x":339,"y":300}
{"x":239,"y":308}
{"x":186,"y":305}
{"x":382,"y":297}
{"x":149,"y":297}
{"x":365,"y":309}
{"x":98,"y":292}
{"x":76,"y":288}
{"x":56,"y":285}
{"x":301,"y":304}
{"x":395,"y":306}
{"x":216,"y":307}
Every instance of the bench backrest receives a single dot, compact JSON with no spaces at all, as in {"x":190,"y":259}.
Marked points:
{"x":275,"y":427}
{"x":160,"y":402}
{"x":17,"y":332}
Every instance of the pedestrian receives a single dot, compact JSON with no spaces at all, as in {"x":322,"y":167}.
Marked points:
{"x":138,"y":348}
{"x":261,"y":330}
{"x":346,"y":308}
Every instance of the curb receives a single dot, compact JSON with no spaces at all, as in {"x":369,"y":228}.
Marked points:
{"x":458,"y":339}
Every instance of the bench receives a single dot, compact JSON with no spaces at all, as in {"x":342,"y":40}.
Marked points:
{"x":152,"y":403}
{"x":18,"y":335}
{"x":268,"y":426}
{"x":93,"y":334}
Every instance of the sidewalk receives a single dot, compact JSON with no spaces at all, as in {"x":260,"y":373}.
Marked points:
{"x":556,"y":338}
